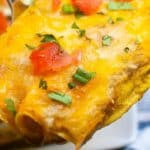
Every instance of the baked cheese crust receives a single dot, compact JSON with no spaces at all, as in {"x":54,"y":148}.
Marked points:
{"x":115,"y":46}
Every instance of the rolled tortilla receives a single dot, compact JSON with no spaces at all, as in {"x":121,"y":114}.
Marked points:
{"x":121,"y":75}
{"x":7,"y":134}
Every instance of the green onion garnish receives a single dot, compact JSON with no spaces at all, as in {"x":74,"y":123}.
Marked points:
{"x":10,"y":105}
{"x":75,"y":26}
{"x":49,"y":38}
{"x":80,"y":31}
{"x":81,"y":79}
{"x":71,"y":85}
{"x":82,"y":76}
{"x":112,"y":5}
{"x":43,"y":84}
{"x":30,"y":46}
{"x":85,"y":74}
{"x":68,"y":9}
{"x":60,"y":97}
{"x":106,"y":40}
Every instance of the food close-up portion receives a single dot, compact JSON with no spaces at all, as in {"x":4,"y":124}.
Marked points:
{"x":70,"y":67}
{"x":3,"y":19}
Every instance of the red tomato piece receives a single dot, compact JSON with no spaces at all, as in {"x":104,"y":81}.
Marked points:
{"x":3,"y":23}
{"x":55,"y":4}
{"x":50,"y":58}
{"x":87,"y":6}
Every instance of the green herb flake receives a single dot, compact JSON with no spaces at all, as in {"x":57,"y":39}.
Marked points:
{"x":83,"y":76}
{"x":80,"y":79}
{"x":30,"y":46}
{"x":68,"y":9}
{"x":71,"y":85}
{"x":60,"y":97}
{"x":43,"y":84}
{"x":112,"y":5}
{"x":75,"y":26}
{"x":49,"y":38}
{"x":126,"y":49}
{"x":81,"y":32}
{"x":106,"y":40}
{"x":10,"y":105}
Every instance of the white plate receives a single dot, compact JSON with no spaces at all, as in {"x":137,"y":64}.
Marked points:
{"x":117,"y":135}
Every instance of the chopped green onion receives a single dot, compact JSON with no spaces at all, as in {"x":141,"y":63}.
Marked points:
{"x":49,"y":38}
{"x":10,"y":106}
{"x":112,"y":5}
{"x":80,"y":31}
{"x":80,"y":78}
{"x":83,"y":76}
{"x":106,"y":40}
{"x":30,"y":46}
{"x":71,"y":85}
{"x":43,"y":84}
{"x":126,"y":49}
{"x":60,"y":97}
{"x":75,"y":26}
{"x":68,"y":9}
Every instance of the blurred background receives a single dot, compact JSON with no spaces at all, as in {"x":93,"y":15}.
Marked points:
{"x":132,"y":132}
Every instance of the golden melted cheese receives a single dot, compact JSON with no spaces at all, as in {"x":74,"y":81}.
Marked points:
{"x":121,"y":77}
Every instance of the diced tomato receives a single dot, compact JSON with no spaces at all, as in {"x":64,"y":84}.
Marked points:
{"x":87,"y":6}
{"x":55,"y":4}
{"x":3,"y":23}
{"x":50,"y":58}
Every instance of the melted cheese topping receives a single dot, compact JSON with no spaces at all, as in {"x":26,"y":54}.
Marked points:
{"x":91,"y":103}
